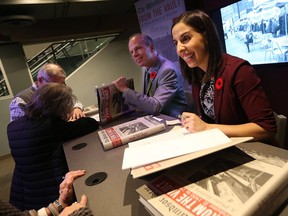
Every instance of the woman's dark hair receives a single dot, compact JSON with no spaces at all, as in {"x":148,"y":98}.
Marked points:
{"x":51,"y":100}
{"x":202,"y":24}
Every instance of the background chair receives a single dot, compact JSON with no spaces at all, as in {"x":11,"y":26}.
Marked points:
{"x":190,"y":102}
{"x":279,"y":51}
{"x":281,"y":122}
{"x":274,"y":49}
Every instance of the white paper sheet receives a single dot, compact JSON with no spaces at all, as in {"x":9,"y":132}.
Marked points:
{"x":95,"y":116}
{"x":173,"y":134}
{"x":163,"y":147}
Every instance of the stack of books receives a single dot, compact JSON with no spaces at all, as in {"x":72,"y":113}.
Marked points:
{"x":247,"y":179}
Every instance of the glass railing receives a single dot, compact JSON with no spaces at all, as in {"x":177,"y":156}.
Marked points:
{"x":69,"y":54}
{"x":3,"y":88}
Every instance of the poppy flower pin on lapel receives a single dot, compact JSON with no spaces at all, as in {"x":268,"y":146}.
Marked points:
{"x":153,"y":75}
{"x":219,"y":83}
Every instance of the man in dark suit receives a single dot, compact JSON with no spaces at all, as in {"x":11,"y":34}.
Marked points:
{"x":163,"y":90}
{"x":249,"y":39}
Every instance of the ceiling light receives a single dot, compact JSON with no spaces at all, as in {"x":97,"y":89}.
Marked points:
{"x":17,"y":21}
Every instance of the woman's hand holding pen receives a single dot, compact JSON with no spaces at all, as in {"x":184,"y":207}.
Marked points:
{"x":192,"y":122}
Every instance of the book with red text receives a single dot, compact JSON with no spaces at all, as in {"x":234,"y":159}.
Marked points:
{"x":136,"y":129}
{"x":110,"y":102}
{"x":250,"y":179}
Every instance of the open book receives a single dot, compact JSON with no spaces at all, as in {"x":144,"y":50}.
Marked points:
{"x":121,"y":134}
{"x":172,"y":148}
{"x":249,"y":179}
{"x":90,"y":110}
{"x":110,"y":102}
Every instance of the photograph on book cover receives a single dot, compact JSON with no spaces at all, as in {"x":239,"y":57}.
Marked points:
{"x":230,"y":181}
{"x":132,"y":128}
{"x":265,"y":158}
{"x":136,"y":129}
{"x":110,"y":102}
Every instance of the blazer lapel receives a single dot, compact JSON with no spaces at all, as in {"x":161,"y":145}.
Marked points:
{"x":218,"y":91}
{"x":151,"y":83}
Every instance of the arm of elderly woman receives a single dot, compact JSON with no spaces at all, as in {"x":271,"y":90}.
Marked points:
{"x":65,"y":199}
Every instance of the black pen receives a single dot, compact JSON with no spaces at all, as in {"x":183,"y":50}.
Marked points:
{"x":183,"y":117}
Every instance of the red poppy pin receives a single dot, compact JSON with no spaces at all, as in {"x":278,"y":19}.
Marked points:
{"x":153,"y":75}
{"x":219,"y":83}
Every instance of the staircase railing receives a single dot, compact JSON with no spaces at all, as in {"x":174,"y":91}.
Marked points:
{"x":69,"y":54}
{"x":3,"y":88}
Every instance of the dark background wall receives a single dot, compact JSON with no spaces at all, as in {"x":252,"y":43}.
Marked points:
{"x":274,"y":76}
{"x":83,"y":25}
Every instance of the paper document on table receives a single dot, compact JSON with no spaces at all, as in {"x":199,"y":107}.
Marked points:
{"x":173,"y":134}
{"x":163,"y":148}
{"x":170,"y":162}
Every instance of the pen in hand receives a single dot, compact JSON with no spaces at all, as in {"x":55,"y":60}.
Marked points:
{"x":182,"y":117}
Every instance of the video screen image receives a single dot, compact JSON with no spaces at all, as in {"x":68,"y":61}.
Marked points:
{"x":256,"y":30}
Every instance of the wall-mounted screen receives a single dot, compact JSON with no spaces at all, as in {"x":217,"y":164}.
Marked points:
{"x":256,"y":30}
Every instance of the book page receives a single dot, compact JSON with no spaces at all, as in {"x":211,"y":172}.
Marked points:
{"x":90,"y":110}
{"x":169,"y":148}
{"x":95,"y":116}
{"x":170,"y":162}
{"x":173,"y":134}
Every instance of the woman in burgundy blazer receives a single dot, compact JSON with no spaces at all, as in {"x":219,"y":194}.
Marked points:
{"x":225,"y":89}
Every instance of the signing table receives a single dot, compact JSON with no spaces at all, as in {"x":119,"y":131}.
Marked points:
{"x":115,"y":194}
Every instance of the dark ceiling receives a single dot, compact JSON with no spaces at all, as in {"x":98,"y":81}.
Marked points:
{"x":38,"y":21}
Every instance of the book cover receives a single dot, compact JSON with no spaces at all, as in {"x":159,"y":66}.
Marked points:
{"x":110,"y":102}
{"x":250,"y":179}
{"x":121,"y":134}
